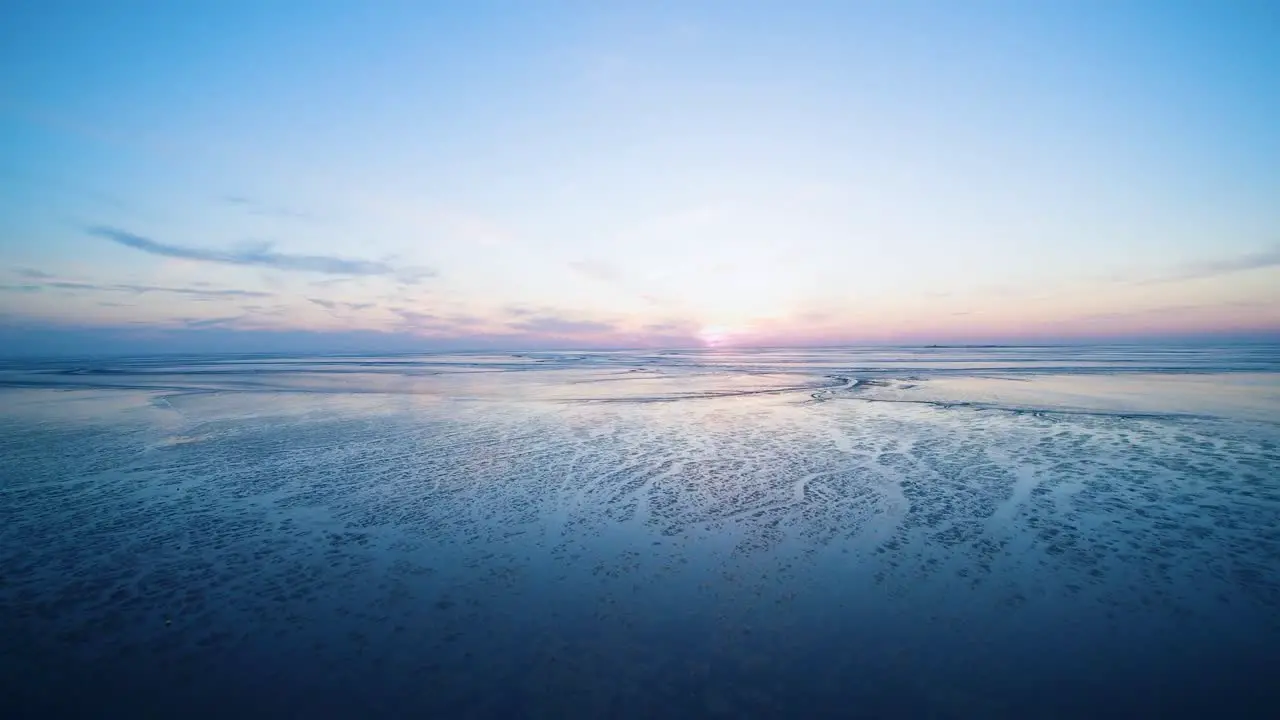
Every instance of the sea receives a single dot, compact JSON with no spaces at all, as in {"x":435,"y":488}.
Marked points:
{"x":887,"y":532}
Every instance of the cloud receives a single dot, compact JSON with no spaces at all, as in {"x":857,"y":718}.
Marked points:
{"x":194,"y":291}
{"x":139,"y":289}
{"x":32,"y":274}
{"x":816,"y":316}
{"x":335,"y":304}
{"x":634,"y":286}
{"x":676,"y":326}
{"x":1179,"y":311}
{"x":597,"y":270}
{"x":209,"y":322}
{"x":562,"y":326}
{"x":330,"y":282}
{"x":412,"y":320}
{"x":254,"y":309}
{"x":413,"y":315}
{"x":263,"y":256}
{"x":254,"y":207}
{"x":21,"y":288}
{"x":40,"y":337}
{"x":1212,"y":268}
{"x":550,"y":320}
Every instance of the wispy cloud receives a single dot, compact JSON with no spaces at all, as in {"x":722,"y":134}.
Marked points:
{"x":263,"y":256}
{"x":209,"y":322}
{"x":1175,"y":310}
{"x":1144,"y":312}
{"x":255,"y":309}
{"x":193,"y":291}
{"x":336,"y":304}
{"x":330,"y":282}
{"x":255,"y":207}
{"x":414,"y":320}
{"x":552,"y":321}
{"x":32,"y":273}
{"x":21,"y":288}
{"x":673,"y":326}
{"x":139,"y":289}
{"x":816,"y":316}
{"x":1212,"y":268}
{"x":417,"y":322}
{"x":413,"y":316}
{"x":562,"y":326}
{"x":619,"y":280}
{"x":596,"y":270}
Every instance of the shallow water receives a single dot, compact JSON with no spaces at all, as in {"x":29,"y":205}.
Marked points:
{"x":942,"y":532}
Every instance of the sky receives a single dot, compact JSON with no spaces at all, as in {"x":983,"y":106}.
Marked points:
{"x":315,"y":175}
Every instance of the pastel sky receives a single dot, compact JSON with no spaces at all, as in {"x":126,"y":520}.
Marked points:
{"x":309,"y":174}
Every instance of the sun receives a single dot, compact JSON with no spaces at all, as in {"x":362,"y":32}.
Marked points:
{"x":715,"y":335}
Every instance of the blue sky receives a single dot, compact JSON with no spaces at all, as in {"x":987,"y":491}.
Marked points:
{"x":536,"y":174}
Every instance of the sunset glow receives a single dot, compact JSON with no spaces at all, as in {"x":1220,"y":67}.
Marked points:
{"x":449,"y":176}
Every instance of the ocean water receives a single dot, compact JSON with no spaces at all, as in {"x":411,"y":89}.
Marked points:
{"x":877,"y":532}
